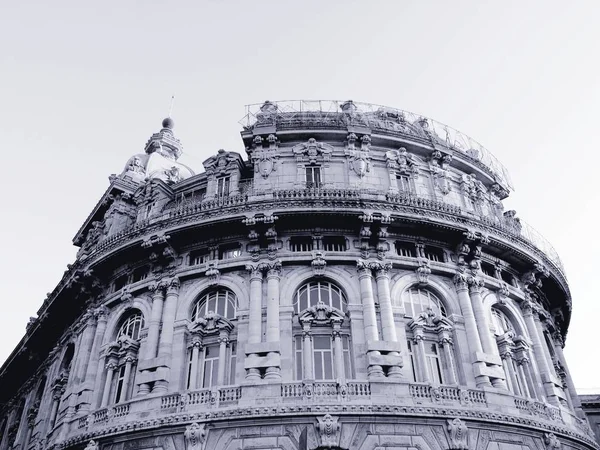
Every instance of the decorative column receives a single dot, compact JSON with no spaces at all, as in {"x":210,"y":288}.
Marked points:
{"x":273,"y":275}
{"x":388,"y":326}
{"x":166,"y":336}
{"x":462,"y":289}
{"x":369,"y":316}
{"x":92,"y":367}
{"x":338,"y":349}
{"x":110,"y":371}
{"x":483,"y":327}
{"x":529,"y":383}
{"x":307,"y":352}
{"x":571,"y":392}
{"x":446,"y":343}
{"x":158,"y":299}
{"x":196,"y":346}
{"x":87,"y":341}
{"x":419,"y":354}
{"x":129,"y":360}
{"x":223,"y":341}
{"x":255,"y":314}
{"x":506,"y":344}
{"x":527,"y":307}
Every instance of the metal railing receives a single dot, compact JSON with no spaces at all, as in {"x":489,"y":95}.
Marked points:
{"x":336,"y":113}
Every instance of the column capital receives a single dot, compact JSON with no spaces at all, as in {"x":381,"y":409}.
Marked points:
{"x":461,"y":281}
{"x":256,"y":271}
{"x":101,"y":313}
{"x":273,"y":269}
{"x":558,"y":339}
{"x":382,"y":269}
{"x":172,"y":285}
{"x":111,"y":365}
{"x":156,"y":288}
{"x":475,"y":285}
{"x":364,"y":268}
{"x":336,"y":334}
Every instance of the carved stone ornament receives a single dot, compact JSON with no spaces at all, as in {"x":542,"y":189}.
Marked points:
{"x":329,"y":430}
{"x":552,"y":442}
{"x":213,"y":273}
{"x":358,"y":162}
{"x":265,"y":162}
{"x":423,"y":272}
{"x":195,"y":436}
{"x":403,"y":162}
{"x":459,"y":435}
{"x":173,"y":175}
{"x":312,"y":151}
{"x":92,"y":445}
{"x":318,"y":264}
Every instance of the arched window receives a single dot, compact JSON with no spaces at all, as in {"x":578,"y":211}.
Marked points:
{"x":501,"y":323}
{"x":131,"y":326}
{"x":314,"y":292}
{"x":209,"y":362}
{"x":417,"y":300}
{"x":221,"y":302}
{"x":322,"y":339}
{"x":121,"y":360}
{"x":430,"y":344}
{"x":514,"y":352}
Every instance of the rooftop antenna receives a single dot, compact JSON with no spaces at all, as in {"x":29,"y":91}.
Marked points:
{"x":172,"y":103}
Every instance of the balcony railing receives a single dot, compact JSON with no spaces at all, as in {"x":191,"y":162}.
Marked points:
{"x":312,"y":114}
{"x":446,"y":395}
{"x":518,"y":229}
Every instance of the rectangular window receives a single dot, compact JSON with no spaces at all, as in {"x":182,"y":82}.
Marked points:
{"x":230,"y":251}
{"x":210,"y":366}
{"x":323,"y":358}
{"x":189,"y":369}
{"x":434,"y":254}
{"x":404,"y":183}
{"x":313,"y":176}
{"x":223,"y":186}
{"x":120,"y":382}
{"x":298,"y":357}
{"x":432,"y":357}
{"x":412,"y":372}
{"x":487,"y":269}
{"x":139,"y":274}
{"x":406,"y":249}
{"x":334,"y":244}
{"x":120,"y":282}
{"x":199,"y":257}
{"x":301,"y":244}
{"x":232,"y":363}
{"x":194,"y":196}
{"x":348,"y":366}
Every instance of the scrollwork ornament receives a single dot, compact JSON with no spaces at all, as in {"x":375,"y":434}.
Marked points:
{"x":459,"y":435}
{"x":92,"y":445}
{"x":552,"y":442}
{"x":329,"y":430}
{"x":195,"y":436}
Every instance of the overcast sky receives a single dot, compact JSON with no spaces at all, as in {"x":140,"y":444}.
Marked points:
{"x":82,"y":89}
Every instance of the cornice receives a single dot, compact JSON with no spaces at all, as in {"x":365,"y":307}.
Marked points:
{"x":431,"y":412}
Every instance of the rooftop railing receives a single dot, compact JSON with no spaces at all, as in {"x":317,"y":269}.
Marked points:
{"x":336,"y":113}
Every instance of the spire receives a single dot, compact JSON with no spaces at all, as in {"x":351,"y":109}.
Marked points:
{"x":164,"y":142}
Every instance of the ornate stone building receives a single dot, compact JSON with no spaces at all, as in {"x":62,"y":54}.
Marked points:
{"x":352,"y":282}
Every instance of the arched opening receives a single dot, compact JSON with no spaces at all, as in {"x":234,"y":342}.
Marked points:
{"x":429,"y":345}
{"x":212,"y":341}
{"x":322,"y":338}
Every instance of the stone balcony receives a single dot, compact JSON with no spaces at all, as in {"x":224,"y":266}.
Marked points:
{"x":303,"y":398}
{"x":521,"y":236}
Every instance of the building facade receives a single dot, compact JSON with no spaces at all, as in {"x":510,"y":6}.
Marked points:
{"x":590,"y":403}
{"x":353,"y":282}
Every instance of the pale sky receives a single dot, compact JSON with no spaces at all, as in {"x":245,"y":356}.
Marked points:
{"x":82,"y":89}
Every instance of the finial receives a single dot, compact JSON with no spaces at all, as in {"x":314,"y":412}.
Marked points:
{"x":168,"y":122}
